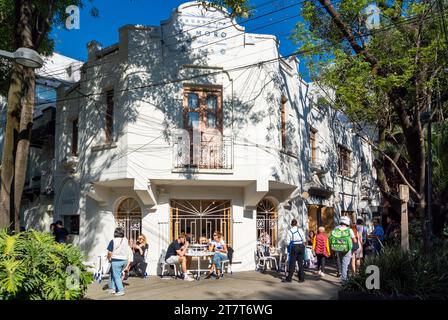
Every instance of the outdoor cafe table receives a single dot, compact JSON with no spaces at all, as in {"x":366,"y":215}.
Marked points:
{"x":199,"y":255}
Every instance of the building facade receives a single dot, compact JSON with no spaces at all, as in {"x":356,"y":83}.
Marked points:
{"x":38,"y":195}
{"x":196,"y":125}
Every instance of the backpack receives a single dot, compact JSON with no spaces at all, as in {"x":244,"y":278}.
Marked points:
{"x":291,"y":243}
{"x":340,"y":240}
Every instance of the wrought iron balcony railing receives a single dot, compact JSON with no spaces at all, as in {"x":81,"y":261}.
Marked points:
{"x":207,"y":155}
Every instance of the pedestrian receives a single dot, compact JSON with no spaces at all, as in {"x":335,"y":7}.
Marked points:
{"x":357,"y":250}
{"x":308,"y":259}
{"x":341,"y":242}
{"x":377,"y":236}
{"x":362,"y":230}
{"x":60,"y":233}
{"x":295,"y":238}
{"x":321,"y":247}
{"x":119,"y":254}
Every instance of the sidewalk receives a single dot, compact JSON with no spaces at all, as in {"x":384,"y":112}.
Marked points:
{"x":238,"y":286}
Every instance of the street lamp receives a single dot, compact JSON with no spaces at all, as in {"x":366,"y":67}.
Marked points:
{"x":25,"y":57}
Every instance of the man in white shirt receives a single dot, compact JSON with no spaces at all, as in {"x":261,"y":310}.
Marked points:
{"x":295,"y":239}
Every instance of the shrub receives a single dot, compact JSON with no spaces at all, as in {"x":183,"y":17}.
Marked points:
{"x":33,"y":267}
{"x":410,"y":275}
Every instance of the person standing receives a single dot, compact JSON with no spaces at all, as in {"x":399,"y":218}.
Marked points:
{"x":357,"y":250}
{"x":295,"y":238}
{"x":377,"y":235}
{"x":341,"y":242}
{"x":60,"y":233}
{"x":322,"y":249}
{"x":362,"y":230}
{"x":118,"y":253}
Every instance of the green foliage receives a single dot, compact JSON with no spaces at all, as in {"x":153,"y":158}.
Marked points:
{"x":406,"y":275}
{"x":35,"y":267}
{"x":238,"y":8}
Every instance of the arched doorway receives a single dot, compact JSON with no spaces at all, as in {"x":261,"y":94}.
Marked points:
{"x":267,"y":221}
{"x":129,"y":217}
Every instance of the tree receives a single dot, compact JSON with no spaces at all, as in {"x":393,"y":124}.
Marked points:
{"x":383,"y":77}
{"x":28,"y":23}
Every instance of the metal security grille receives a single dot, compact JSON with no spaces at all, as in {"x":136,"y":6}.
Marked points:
{"x":201,"y":218}
{"x":267,"y":223}
{"x":129,"y":217}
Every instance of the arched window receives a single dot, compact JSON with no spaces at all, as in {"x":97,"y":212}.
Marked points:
{"x":129,"y":217}
{"x":267,"y":222}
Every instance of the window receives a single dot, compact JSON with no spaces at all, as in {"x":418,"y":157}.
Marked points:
{"x":202,"y":108}
{"x":109,"y":123}
{"x":313,"y":134}
{"x":344,"y":161}
{"x":74,"y":148}
{"x":283,"y":121}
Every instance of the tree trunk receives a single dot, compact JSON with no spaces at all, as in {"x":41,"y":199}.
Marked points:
{"x":26,"y":116}
{"x":12,"y":125}
{"x":26,"y":123}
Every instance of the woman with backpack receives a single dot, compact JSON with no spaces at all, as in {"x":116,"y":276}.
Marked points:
{"x":341,"y":242}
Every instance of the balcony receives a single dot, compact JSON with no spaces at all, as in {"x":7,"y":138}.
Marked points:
{"x":208,"y":157}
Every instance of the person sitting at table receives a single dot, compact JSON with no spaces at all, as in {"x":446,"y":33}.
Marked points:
{"x":203,"y":239}
{"x":176,"y":254}
{"x":219,"y":246}
{"x":265,"y":241}
{"x":188,"y":241}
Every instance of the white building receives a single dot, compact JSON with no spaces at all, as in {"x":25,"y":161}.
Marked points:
{"x":38,"y":193}
{"x":121,"y":158}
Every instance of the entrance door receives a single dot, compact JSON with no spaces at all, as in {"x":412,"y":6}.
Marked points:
{"x":319,"y":215}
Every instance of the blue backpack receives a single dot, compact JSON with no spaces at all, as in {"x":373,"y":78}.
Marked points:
{"x":291,"y":243}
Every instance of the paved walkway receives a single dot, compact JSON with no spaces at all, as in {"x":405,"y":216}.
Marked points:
{"x":238,"y":286}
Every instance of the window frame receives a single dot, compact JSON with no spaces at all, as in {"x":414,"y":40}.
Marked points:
{"x":344,"y":155}
{"x":203,"y":92}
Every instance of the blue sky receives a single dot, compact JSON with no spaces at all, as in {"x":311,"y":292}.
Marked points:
{"x":115,"y":13}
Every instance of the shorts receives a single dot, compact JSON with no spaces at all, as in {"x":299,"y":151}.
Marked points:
{"x":173,"y":260}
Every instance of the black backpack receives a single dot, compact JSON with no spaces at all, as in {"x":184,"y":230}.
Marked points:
{"x":230,"y":254}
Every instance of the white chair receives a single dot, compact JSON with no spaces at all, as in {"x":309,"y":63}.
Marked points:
{"x":262,"y":260}
{"x":163,"y":266}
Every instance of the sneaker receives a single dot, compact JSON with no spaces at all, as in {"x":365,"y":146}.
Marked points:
{"x":111,"y":291}
{"x":189,"y":273}
{"x":187,"y":278}
{"x":209,"y":275}
{"x":118,"y":294}
{"x":322,"y":274}
{"x":286,"y":280}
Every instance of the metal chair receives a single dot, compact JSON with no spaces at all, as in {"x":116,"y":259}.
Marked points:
{"x":228,"y":261}
{"x":163,"y":264}
{"x":263,"y":260}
